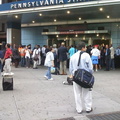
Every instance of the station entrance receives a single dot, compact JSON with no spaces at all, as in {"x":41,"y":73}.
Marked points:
{"x":74,"y":39}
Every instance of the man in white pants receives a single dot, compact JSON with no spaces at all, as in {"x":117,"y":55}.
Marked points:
{"x":81,"y":93}
{"x":7,"y":59}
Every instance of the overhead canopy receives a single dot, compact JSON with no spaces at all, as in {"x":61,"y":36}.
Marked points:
{"x":90,"y":11}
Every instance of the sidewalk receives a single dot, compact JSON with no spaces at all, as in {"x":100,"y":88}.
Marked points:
{"x":35,"y":98}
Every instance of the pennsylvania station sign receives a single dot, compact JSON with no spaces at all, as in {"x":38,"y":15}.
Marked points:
{"x":41,"y":3}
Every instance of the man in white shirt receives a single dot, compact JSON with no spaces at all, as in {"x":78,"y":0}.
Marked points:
{"x":112,"y":66}
{"x":95,"y":56}
{"x":49,"y":62}
{"x":80,"y":92}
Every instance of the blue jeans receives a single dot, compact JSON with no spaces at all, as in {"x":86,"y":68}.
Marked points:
{"x":48,"y":73}
{"x":22,"y":61}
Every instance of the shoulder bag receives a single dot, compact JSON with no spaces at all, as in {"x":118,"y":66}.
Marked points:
{"x":36,"y":56}
{"x":82,"y":77}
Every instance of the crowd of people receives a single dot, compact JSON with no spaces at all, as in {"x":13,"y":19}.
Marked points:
{"x":102,"y":56}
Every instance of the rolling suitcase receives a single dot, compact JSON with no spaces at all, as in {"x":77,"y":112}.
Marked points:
{"x":7,"y":83}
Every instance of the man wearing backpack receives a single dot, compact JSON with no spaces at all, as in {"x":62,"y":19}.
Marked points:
{"x":81,"y":93}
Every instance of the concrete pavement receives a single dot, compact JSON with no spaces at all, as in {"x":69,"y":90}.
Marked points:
{"x":35,"y":98}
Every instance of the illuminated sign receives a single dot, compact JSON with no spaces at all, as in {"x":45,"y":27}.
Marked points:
{"x":40,"y":3}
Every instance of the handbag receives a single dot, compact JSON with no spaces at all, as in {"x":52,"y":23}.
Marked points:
{"x":36,"y":57}
{"x":82,"y":77}
{"x":70,"y":80}
{"x":52,"y":70}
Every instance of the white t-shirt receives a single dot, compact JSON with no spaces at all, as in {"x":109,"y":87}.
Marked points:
{"x":112,"y":52}
{"x":36,"y":51}
{"x":27,"y":53}
{"x":49,"y":58}
{"x":95,"y":52}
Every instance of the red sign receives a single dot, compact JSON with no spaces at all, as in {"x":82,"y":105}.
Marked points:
{"x":72,"y":27}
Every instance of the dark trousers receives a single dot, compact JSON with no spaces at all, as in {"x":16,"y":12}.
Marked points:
{"x":107,"y":60}
{"x":43,"y":60}
{"x":16,"y":61}
{"x":28,"y":62}
{"x":22,"y":61}
{"x":2,"y":66}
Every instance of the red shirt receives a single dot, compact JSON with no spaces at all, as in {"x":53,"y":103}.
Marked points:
{"x":8,"y":53}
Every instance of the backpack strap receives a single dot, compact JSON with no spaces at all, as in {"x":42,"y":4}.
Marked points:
{"x":80,"y":57}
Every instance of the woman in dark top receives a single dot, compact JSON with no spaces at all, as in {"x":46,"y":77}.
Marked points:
{"x":16,"y":56}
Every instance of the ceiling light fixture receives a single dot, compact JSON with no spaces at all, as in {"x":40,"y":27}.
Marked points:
{"x":83,"y":37}
{"x":101,"y":9}
{"x":33,"y":21}
{"x":108,"y":16}
{"x":103,"y":37}
{"x":68,"y":12}
{"x":16,"y":16}
{"x":97,"y":35}
{"x":76,"y":35}
{"x":40,"y":14}
{"x":55,"y":20}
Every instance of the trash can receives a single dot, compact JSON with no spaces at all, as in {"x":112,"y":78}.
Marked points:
{"x":7,"y":82}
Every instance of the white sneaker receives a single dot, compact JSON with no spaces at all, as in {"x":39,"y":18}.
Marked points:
{"x":50,"y":79}
{"x":45,"y":77}
{"x":96,"y":70}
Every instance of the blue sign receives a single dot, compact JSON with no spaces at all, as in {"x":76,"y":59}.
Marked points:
{"x":37,"y":3}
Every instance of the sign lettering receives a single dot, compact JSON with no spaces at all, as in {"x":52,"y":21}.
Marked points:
{"x":41,"y":3}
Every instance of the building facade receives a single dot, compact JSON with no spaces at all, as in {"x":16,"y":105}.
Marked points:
{"x":46,"y":22}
